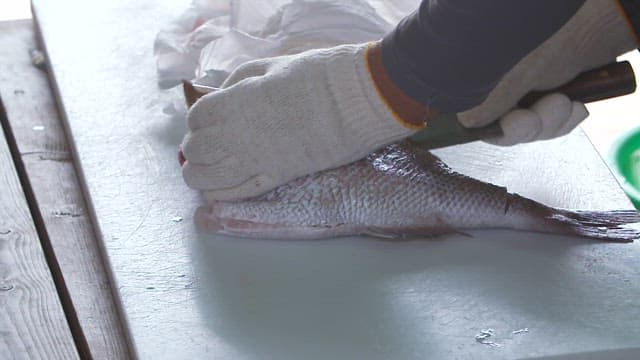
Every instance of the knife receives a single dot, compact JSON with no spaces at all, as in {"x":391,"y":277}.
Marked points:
{"x":612,"y":80}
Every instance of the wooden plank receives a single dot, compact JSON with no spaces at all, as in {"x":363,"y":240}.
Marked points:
{"x":42,"y":144}
{"x":225,"y":298}
{"x":32,"y":322}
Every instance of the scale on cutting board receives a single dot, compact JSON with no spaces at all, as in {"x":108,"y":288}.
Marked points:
{"x":186,"y":295}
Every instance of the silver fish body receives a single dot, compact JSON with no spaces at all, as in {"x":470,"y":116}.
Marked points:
{"x":397,"y":192}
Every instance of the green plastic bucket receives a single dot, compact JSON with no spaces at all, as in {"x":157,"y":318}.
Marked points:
{"x":625,"y":157}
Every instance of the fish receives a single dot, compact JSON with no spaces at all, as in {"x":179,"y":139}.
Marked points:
{"x":401,"y":192}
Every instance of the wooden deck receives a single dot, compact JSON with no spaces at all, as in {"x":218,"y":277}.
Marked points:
{"x":55,"y":292}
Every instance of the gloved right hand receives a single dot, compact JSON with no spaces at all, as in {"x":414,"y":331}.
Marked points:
{"x":593,"y":37}
{"x":280,"y":118}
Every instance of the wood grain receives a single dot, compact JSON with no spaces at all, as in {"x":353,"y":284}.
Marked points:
{"x":32,"y":322}
{"x":62,"y":212}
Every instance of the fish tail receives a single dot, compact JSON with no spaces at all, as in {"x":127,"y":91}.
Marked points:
{"x":604,"y":225}
{"x":612,"y":225}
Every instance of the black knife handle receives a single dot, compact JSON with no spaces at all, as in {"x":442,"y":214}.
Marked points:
{"x":612,"y":80}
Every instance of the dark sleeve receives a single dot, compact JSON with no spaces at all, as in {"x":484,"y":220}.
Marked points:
{"x":631,"y":9}
{"x":449,"y":54}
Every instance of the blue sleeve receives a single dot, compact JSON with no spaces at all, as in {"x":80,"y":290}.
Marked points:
{"x":449,"y":54}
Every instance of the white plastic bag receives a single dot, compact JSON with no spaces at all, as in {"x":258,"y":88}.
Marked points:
{"x":214,"y":37}
{"x":177,"y":47}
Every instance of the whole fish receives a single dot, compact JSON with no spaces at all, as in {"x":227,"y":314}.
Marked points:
{"x":400,"y":191}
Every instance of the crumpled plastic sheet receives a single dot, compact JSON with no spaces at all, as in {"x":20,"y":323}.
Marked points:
{"x":213,"y":37}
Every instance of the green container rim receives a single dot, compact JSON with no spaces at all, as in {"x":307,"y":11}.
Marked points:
{"x":620,"y":156}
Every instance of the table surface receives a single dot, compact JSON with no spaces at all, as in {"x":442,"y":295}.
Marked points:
{"x":191,"y":295}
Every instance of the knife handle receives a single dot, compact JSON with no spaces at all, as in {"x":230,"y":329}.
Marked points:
{"x":612,"y":80}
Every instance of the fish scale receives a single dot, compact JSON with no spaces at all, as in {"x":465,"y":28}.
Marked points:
{"x":401,"y":191}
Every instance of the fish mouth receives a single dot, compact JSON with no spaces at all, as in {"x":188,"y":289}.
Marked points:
{"x":192,"y":92}
{"x":181,"y":158}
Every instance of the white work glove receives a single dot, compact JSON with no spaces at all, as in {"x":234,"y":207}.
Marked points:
{"x":318,"y":110}
{"x":593,"y":37}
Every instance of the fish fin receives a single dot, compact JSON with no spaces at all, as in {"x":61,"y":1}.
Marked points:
{"x":462,"y":233}
{"x":604,"y":225}
{"x":410,"y":233}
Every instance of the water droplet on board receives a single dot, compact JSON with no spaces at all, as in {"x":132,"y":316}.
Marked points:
{"x":177,"y":219}
{"x":38,"y":59}
{"x":483,"y":338}
{"x":6,"y":287}
{"x":521,"y":331}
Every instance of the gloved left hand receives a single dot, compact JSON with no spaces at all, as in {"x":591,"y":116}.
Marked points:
{"x":280,"y":118}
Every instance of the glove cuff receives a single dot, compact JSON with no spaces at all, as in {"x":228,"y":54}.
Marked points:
{"x":406,"y":111}
{"x":364,"y":121}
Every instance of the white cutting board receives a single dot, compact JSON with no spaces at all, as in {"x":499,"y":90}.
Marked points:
{"x":187,"y":295}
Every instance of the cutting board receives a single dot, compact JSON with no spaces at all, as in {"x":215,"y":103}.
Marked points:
{"x":188,"y":295}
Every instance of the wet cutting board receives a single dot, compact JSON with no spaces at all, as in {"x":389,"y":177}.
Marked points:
{"x":187,"y":295}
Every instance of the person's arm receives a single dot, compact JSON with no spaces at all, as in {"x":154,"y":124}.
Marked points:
{"x":472,"y":43}
{"x":500,"y":50}
{"x":631,"y":9}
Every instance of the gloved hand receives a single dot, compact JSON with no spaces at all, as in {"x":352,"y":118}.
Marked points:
{"x":280,"y":118}
{"x":593,"y":37}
